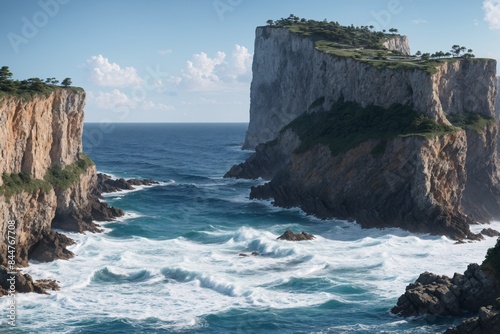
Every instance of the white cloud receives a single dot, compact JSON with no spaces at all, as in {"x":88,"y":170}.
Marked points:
{"x":419,"y":21}
{"x":492,"y":13}
{"x":165,"y":52}
{"x":205,"y":73}
{"x":117,"y":99}
{"x":104,"y":73}
{"x":111,"y":100}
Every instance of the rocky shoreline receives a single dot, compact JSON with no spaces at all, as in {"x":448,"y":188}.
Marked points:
{"x":53,"y":245}
{"x":474,"y":293}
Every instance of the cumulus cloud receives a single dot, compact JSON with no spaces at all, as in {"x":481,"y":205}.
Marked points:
{"x":492,"y":13}
{"x":117,"y":99}
{"x":104,"y":73}
{"x":203,"y":72}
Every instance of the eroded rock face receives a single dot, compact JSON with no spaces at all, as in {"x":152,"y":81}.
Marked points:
{"x":43,"y":132}
{"x":436,"y":184}
{"x":36,"y":134}
{"x":416,"y":184}
{"x":399,"y":43}
{"x":33,"y":214}
{"x":289,"y":74}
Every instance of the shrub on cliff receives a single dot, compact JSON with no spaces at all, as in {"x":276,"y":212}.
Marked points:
{"x":492,"y":259}
{"x":65,"y":178}
{"x":17,"y":182}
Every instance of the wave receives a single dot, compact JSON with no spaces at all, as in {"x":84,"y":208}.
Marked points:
{"x":107,"y":276}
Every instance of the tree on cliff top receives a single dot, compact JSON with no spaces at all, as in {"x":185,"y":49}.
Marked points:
{"x":66,"y":82}
{"x":5,"y":74}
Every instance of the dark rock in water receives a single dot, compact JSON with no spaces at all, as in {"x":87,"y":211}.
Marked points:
{"x":255,"y":254}
{"x":487,"y":322}
{"x":103,"y":212}
{"x":42,"y":285}
{"x":24,"y":283}
{"x":441,"y":295}
{"x":489,"y":232}
{"x":105,"y":184}
{"x":244,"y":255}
{"x":52,"y":246}
{"x":290,"y":236}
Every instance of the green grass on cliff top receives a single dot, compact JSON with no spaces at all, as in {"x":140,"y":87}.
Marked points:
{"x":360,"y":43}
{"x":27,"y":91}
{"x":347,"y":125}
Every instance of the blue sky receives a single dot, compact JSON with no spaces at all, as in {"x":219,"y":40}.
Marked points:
{"x":190,"y":60}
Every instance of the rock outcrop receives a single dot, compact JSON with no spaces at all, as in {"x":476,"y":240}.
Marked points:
{"x":444,"y":296}
{"x":40,"y":132}
{"x":24,"y":283}
{"x":291,"y":236}
{"x":436,"y":182}
{"x":476,"y":292}
{"x":106,"y":184}
{"x":40,"y":135}
{"x":398,"y":43}
{"x":487,"y":322}
{"x":290,"y":74}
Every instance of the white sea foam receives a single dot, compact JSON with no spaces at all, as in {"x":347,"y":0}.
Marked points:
{"x":177,"y":281}
{"x":124,"y":192}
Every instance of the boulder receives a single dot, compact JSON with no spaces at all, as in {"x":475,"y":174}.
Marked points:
{"x":290,"y":236}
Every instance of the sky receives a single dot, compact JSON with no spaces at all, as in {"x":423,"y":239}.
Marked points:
{"x":191,"y":60}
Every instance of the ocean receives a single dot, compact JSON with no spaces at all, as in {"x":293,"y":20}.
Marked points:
{"x":172,"y":263}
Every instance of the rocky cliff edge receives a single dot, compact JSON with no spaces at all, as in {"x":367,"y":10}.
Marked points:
{"x":434,"y":172}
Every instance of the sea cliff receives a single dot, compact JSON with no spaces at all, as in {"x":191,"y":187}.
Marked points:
{"x":47,"y":182}
{"x":417,"y":148}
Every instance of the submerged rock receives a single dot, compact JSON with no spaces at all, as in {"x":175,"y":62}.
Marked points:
{"x":489,"y":232}
{"x":106,"y":184}
{"x":290,"y":236}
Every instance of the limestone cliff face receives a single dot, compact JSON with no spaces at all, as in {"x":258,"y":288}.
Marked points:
{"x":398,"y":43}
{"x":36,"y":134}
{"x":43,"y":132}
{"x":289,"y":74}
{"x":33,"y":213}
{"x":436,"y":184}
{"x":416,"y":184}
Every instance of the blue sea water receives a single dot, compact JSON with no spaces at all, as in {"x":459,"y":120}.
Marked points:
{"x":172,"y":263}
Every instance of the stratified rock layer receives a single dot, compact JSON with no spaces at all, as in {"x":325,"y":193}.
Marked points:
{"x":289,"y":74}
{"x":437,"y":183}
{"x":38,"y":133}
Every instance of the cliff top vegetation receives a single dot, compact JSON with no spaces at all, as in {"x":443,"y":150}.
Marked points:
{"x":492,"y":260}
{"x":367,"y":45}
{"x":28,"y":88}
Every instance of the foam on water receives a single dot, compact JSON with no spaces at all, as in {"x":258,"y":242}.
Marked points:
{"x":191,"y":279}
{"x":180,"y":268}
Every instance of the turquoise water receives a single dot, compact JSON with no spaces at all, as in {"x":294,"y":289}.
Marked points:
{"x":172,"y":263}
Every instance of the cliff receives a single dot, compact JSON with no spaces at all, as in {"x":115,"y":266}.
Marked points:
{"x":42,"y":132}
{"x":415,"y":148}
{"x":398,"y":43}
{"x":46,"y":181}
{"x":289,"y":74}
